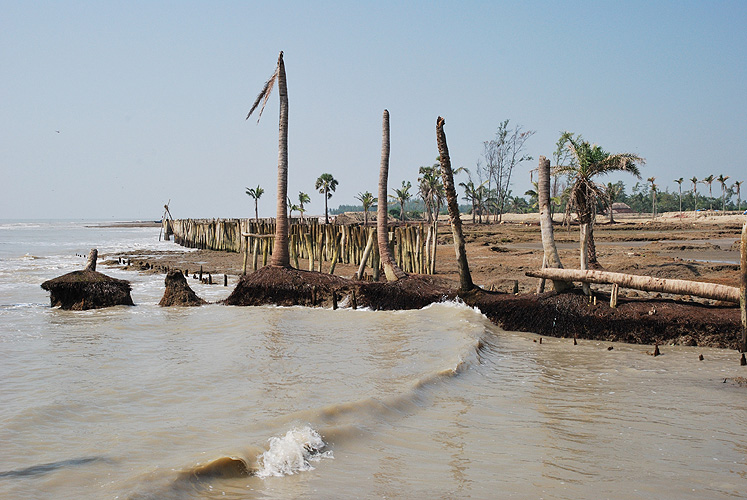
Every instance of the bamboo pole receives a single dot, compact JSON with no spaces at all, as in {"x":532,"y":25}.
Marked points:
{"x":335,"y":253}
{"x":647,"y":283}
{"x":366,"y":253}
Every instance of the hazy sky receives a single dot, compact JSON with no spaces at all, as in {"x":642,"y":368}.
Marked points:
{"x":150,"y":98}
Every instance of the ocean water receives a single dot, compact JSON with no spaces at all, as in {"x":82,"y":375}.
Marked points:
{"x":292,"y":403}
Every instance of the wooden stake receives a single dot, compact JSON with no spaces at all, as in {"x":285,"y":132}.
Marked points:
{"x":613,"y":295}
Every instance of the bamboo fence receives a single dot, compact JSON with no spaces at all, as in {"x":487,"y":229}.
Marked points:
{"x":323,"y":245}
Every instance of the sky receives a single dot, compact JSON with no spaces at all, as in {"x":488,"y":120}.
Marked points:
{"x":112,"y":109}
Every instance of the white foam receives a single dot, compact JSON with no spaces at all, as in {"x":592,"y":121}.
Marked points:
{"x":292,"y":453}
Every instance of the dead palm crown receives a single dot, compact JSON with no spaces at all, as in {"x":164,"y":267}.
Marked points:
{"x":280,"y":254}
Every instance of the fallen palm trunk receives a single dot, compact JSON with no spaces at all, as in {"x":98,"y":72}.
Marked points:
{"x":645,"y":283}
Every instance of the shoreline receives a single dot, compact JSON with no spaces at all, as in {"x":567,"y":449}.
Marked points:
{"x":498,"y":258}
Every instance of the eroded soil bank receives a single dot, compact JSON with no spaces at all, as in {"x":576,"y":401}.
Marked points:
{"x":699,"y":248}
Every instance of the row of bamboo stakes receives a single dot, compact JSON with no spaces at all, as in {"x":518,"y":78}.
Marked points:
{"x":414,"y":245}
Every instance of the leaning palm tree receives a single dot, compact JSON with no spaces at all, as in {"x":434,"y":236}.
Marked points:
{"x":255,"y":193}
{"x":679,"y":182}
{"x":738,"y":187}
{"x":402,"y":196}
{"x":694,"y":180}
{"x":588,"y":162}
{"x":367,"y":200}
{"x":302,"y":198}
{"x":722,"y":180}
{"x":280,"y":254}
{"x":465,"y":279}
{"x":391,"y":269}
{"x":326,"y":184}
{"x":653,"y":196}
{"x":709,"y":180}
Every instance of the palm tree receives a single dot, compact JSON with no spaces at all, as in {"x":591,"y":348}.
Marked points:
{"x":402,"y":196}
{"x":722,"y":179}
{"x":613,"y":191}
{"x":391,"y":269}
{"x":679,"y":182}
{"x":465,"y":279}
{"x":302,"y":198}
{"x":292,"y":207}
{"x":255,"y":193}
{"x":653,"y":196}
{"x":471,"y":195}
{"x":709,"y":180}
{"x":326,"y":184}
{"x":367,"y":199}
{"x":588,"y":162}
{"x":694,"y":180}
{"x":738,"y":186}
{"x":280,"y":254}
{"x":429,"y":185}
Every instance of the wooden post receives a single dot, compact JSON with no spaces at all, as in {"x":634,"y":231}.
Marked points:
{"x":246,"y":255}
{"x":743,"y":291}
{"x":255,"y":253}
{"x":309,"y":250}
{"x":613,"y":295}
{"x":334,"y":300}
{"x":353,"y":300}
{"x":225,"y":280}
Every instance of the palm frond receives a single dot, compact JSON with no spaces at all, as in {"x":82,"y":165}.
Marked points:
{"x":264,"y":95}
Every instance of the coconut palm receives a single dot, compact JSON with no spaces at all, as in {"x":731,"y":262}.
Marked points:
{"x":255,"y":193}
{"x":722,"y":180}
{"x":402,"y":196}
{"x":709,"y":180}
{"x":653,"y":196}
{"x":430,"y":185}
{"x":738,"y":187}
{"x":588,"y":162}
{"x":612,"y":191}
{"x":326,"y":184}
{"x":679,"y":182}
{"x":367,"y":200}
{"x":694,"y":180}
{"x":280,"y":254}
{"x":471,"y":195}
{"x":302,"y":198}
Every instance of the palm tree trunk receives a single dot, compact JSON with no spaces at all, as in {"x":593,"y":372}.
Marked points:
{"x":391,"y":270}
{"x":584,"y":255}
{"x":326,"y":217}
{"x":548,"y":236}
{"x":711,"y":291}
{"x":280,"y":255}
{"x":465,"y":279}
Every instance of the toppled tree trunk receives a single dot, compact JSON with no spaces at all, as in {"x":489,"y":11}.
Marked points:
{"x":178,"y":292}
{"x":465,"y":278}
{"x":645,"y":283}
{"x":87,"y":289}
{"x":548,"y":235}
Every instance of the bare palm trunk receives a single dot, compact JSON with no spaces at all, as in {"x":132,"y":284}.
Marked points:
{"x":256,"y":213}
{"x":548,"y":236}
{"x":465,"y":279}
{"x":584,"y":254}
{"x":280,"y":255}
{"x":326,"y":217}
{"x":593,"y":262}
{"x":391,"y":270}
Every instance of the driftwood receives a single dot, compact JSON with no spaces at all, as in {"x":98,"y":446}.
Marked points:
{"x":645,"y":283}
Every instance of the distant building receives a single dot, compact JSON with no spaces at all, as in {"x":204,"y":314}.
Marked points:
{"x":621,"y":208}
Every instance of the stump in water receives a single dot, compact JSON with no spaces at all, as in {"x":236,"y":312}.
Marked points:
{"x":178,"y":292}
{"x":87,"y":289}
